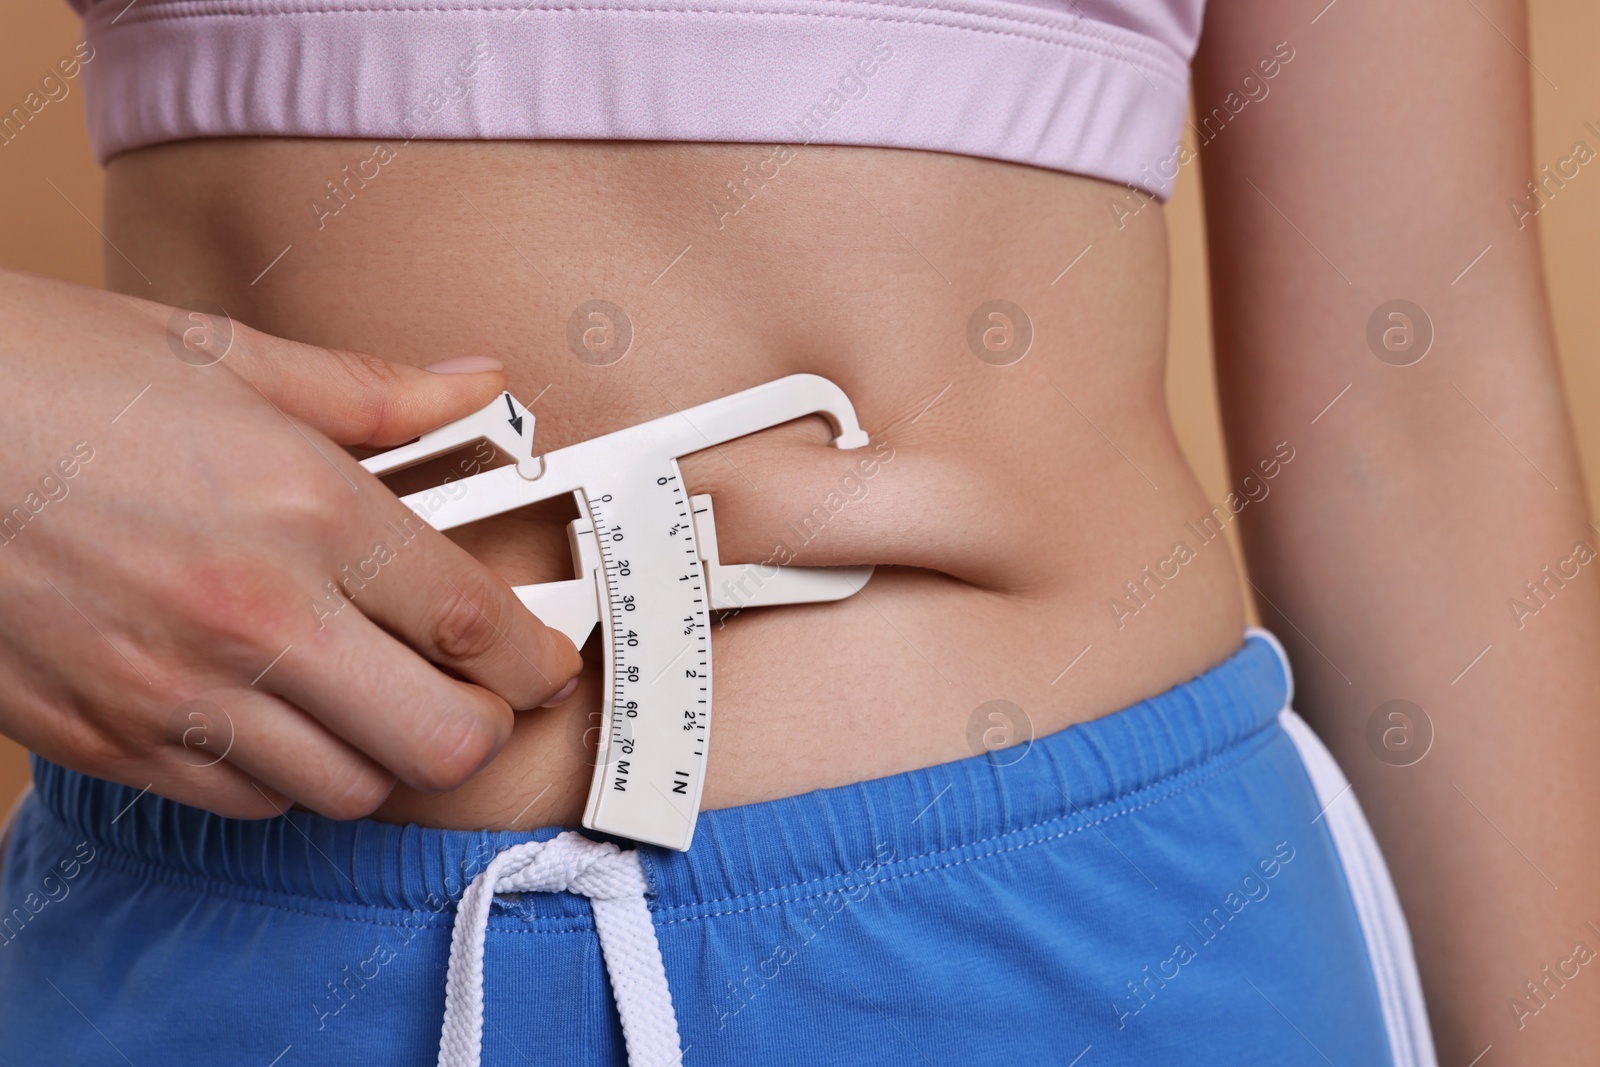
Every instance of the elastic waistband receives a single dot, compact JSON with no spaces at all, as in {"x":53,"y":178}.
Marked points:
{"x":754,"y":855}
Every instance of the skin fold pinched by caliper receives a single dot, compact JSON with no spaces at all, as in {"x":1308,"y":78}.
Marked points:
{"x":646,"y":571}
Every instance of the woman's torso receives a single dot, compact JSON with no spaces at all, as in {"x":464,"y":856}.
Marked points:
{"x":1018,"y":502}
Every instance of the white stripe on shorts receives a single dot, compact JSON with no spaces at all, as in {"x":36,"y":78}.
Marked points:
{"x":1383,"y":925}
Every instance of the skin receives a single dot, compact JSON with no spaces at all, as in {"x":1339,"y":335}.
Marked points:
{"x":1008,"y":519}
{"x":992,"y":577}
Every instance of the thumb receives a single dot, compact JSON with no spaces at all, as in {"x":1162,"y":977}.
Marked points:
{"x":359,"y":399}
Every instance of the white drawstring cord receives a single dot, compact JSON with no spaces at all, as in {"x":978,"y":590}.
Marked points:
{"x":614,"y":882}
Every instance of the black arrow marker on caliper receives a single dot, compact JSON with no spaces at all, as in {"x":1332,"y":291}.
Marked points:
{"x":515,"y":420}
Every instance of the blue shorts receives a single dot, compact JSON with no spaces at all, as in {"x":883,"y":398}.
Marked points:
{"x":1188,"y":880}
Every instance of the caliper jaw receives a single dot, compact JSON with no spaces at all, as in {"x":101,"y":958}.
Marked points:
{"x":573,"y":606}
{"x":761,"y":585}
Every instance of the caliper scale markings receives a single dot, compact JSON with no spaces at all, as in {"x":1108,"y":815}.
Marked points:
{"x":646,"y":571}
{"x":650,"y":704}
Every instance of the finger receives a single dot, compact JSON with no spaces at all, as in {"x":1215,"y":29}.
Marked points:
{"x":459,"y":614}
{"x":358,"y":399}
{"x":156,"y":765}
{"x":286,"y":750}
{"x":224,"y":790}
{"x":431,"y":730}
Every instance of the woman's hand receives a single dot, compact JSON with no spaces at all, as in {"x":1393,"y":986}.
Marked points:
{"x":200,"y":592}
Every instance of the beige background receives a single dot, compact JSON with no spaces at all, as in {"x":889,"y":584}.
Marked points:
{"x":50,"y":206}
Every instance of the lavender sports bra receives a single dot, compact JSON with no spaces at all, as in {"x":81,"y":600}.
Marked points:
{"x":1096,"y":87}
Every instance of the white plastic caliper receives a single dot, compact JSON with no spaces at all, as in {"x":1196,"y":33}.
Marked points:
{"x":647,"y":573}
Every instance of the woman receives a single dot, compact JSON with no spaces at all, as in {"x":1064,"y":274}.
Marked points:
{"x":1025,"y":795}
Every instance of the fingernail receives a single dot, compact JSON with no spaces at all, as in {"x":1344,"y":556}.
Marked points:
{"x":566,"y":692}
{"x":465,"y":365}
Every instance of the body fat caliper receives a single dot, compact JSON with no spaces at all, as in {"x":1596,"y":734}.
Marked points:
{"x":647,"y":573}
